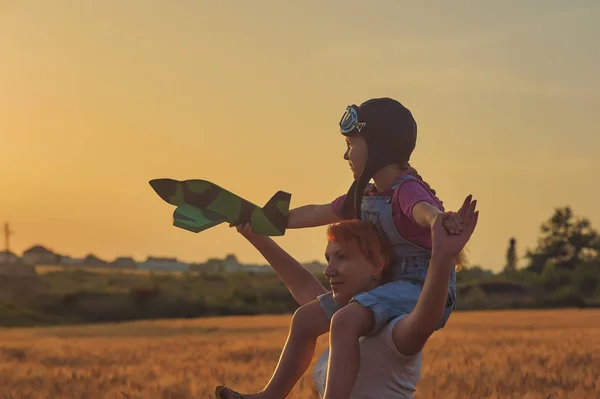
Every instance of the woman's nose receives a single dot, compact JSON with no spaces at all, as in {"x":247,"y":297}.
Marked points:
{"x":346,"y":156}
{"x":330,"y":271}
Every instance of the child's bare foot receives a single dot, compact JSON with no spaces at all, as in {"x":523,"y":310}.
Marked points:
{"x":222,"y":392}
{"x":227,"y":393}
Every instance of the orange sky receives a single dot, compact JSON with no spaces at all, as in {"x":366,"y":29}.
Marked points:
{"x":98,"y":97}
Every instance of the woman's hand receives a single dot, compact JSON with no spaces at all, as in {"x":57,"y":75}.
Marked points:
{"x":246,"y":231}
{"x":446,"y":244}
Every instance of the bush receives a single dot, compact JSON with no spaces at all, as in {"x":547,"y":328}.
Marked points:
{"x":568,"y":297}
{"x":12,"y":315}
{"x":553,"y":277}
{"x":142,"y":297}
{"x":475,"y":298}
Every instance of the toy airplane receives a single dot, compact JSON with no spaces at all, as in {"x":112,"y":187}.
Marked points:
{"x":202,"y":205}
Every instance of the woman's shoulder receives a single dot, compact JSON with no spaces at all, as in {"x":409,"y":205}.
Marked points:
{"x":389,"y":340}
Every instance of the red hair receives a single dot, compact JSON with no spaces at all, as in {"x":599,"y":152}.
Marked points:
{"x":361,"y":234}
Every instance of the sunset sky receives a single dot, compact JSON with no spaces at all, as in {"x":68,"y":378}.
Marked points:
{"x":98,"y":97}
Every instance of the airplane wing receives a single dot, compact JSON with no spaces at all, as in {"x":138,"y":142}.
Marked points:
{"x":194,"y":219}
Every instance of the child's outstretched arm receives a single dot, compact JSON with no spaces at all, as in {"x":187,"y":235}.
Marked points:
{"x":412,"y":332}
{"x":425,"y":214}
{"x":311,"y":216}
{"x":420,"y":205}
{"x":303,"y":285}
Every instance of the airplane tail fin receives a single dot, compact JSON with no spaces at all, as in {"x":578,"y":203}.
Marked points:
{"x":277,"y":210}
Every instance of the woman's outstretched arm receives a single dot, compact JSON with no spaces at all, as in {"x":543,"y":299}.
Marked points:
{"x":303,"y":285}
{"x":412,"y":332}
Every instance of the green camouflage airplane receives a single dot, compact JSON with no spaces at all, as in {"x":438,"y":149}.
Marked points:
{"x":202,"y":205}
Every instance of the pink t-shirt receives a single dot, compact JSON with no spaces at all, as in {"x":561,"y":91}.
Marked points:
{"x":404,"y":199}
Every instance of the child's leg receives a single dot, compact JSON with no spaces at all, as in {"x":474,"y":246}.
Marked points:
{"x":308,"y":323}
{"x":347,"y":326}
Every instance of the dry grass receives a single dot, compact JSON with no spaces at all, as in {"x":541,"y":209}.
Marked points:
{"x":524,"y":354}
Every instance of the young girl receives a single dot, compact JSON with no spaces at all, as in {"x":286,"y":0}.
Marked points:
{"x":380,"y":137}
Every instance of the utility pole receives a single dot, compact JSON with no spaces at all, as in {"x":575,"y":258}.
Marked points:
{"x":7,"y":234}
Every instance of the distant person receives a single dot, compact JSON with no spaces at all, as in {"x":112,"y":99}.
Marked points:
{"x":380,"y":136}
{"x":360,"y":259}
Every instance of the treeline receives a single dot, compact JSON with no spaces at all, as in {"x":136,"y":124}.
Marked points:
{"x":562,"y":271}
{"x":79,"y":296}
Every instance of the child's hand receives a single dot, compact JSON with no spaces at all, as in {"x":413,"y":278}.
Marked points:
{"x":452,"y":222}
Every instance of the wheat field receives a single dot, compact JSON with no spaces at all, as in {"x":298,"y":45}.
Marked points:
{"x":508,"y":354}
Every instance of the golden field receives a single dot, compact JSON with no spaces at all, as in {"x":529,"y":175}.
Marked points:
{"x":509,"y":354}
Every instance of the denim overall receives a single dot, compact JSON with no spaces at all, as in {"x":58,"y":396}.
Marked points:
{"x":409,"y":270}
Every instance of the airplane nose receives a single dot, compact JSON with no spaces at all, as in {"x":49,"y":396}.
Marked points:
{"x":165,"y":188}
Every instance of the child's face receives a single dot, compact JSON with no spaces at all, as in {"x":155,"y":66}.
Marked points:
{"x":356,"y":154}
{"x":348,"y":271}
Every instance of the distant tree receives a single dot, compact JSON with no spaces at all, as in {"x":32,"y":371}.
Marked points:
{"x":566,"y":241}
{"x":511,"y":256}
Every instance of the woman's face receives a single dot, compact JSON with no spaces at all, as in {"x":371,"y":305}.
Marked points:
{"x":349,"y":272}
{"x":356,"y":154}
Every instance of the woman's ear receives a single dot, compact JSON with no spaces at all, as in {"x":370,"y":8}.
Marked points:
{"x":380,"y":264}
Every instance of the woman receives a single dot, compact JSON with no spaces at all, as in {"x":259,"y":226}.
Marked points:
{"x":357,"y":256}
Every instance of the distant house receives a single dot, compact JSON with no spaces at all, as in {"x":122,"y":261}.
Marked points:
{"x":156,"y":263}
{"x":93,"y":261}
{"x":39,"y":255}
{"x":7,"y":257}
{"x":228,"y":265}
{"x":124,"y":263}
{"x":231,"y":263}
{"x":210,"y":266}
{"x":257,"y":269}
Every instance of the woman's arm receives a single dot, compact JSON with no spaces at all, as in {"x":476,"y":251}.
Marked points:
{"x":311,"y":216}
{"x":303,"y":285}
{"x":412,"y":332}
